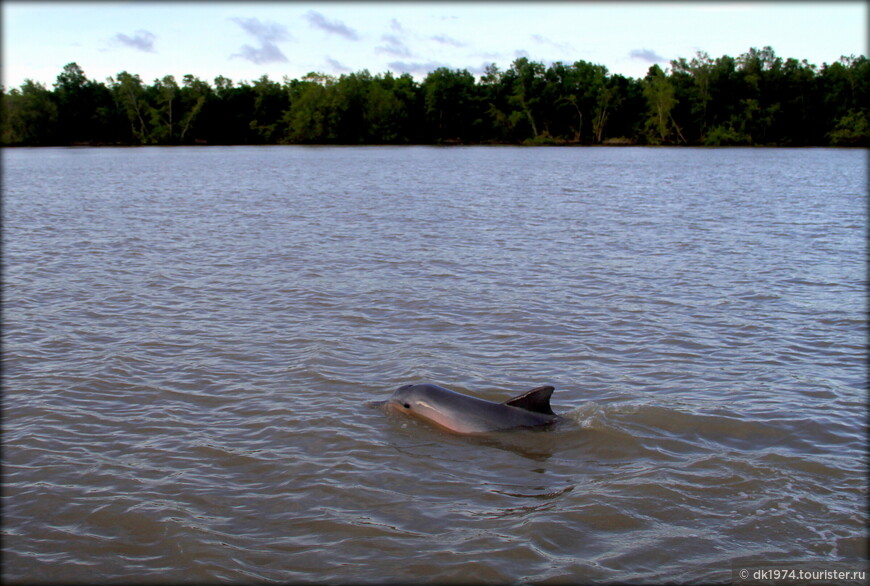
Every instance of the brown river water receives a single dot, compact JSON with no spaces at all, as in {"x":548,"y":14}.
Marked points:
{"x":191,"y":335}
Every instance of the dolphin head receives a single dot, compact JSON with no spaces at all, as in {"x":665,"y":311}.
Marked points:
{"x":425,"y":401}
{"x":407,"y":398}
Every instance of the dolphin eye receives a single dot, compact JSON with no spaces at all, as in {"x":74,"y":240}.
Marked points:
{"x":407,"y":405}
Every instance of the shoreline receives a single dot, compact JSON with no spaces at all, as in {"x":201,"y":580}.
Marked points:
{"x":436,"y":145}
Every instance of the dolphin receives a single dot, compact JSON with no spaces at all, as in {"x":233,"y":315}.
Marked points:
{"x":465,"y":414}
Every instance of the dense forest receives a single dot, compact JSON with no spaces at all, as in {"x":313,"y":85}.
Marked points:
{"x":755,"y":99}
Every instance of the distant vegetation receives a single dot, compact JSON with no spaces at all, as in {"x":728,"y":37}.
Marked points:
{"x":754,"y":99}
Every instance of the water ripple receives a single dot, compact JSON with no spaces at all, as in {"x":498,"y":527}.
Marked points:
{"x":187,"y":359}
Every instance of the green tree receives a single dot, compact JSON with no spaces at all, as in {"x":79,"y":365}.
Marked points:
{"x":627,"y":110}
{"x":193,"y":96}
{"x":226,"y":119}
{"x":798,"y":99}
{"x":559,"y":104}
{"x":723,"y":110}
{"x":845,"y":87}
{"x":659,"y":92}
{"x":495,"y":89}
{"x":588,"y":94}
{"x":528,"y":88}
{"x":70,"y":92}
{"x":270,"y":103}
{"x":761,"y":70}
{"x":163,"y":110}
{"x":84,"y":107}
{"x":129,"y":96}
{"x":449,"y":102}
{"x":758,"y":98}
{"x":852,"y":129}
{"x":308,"y":120}
{"x":29,"y":116}
{"x":408,"y":93}
{"x":609,"y":98}
{"x":388,"y":109}
{"x":349,"y":97}
{"x":692,"y":82}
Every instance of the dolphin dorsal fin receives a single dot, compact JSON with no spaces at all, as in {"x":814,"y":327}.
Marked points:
{"x":536,"y":400}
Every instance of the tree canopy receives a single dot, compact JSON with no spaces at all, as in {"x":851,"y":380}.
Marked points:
{"x":757,"y":98}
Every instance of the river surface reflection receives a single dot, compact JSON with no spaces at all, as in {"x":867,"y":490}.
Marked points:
{"x":190,"y":337}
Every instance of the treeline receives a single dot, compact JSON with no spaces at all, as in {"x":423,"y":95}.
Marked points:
{"x":755,"y":99}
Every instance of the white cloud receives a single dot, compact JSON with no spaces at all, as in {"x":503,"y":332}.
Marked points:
{"x":268,"y":53}
{"x":416,"y":67}
{"x":335,"y":27}
{"x":647,"y":55}
{"x":446,"y":40}
{"x":337,"y":66}
{"x":267,"y":33}
{"x":394,"y":46}
{"x":142,"y":41}
{"x":562,"y":47}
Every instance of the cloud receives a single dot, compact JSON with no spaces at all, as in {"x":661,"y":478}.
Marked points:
{"x":394,"y":46}
{"x":268,"y":53}
{"x":492,"y":56}
{"x":563,"y":47}
{"x":415,"y":66}
{"x":445,"y":40}
{"x":337,"y":66}
{"x":335,"y":27}
{"x":141,"y":41}
{"x":267,"y":33}
{"x":423,"y":68}
{"x":647,"y":55}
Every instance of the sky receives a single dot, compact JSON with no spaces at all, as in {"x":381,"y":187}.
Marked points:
{"x":245,"y":40}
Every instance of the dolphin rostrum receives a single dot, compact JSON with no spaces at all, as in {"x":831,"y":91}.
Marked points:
{"x":464,"y":414}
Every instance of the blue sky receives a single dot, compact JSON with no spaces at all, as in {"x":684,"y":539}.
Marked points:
{"x":244,"y":40}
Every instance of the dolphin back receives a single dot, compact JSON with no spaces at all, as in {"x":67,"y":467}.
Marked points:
{"x":466,"y":414}
{"x":537,"y":400}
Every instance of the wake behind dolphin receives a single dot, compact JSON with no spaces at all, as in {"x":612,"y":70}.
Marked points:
{"x":465,"y":414}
